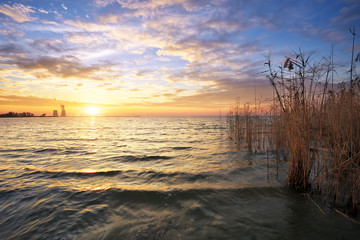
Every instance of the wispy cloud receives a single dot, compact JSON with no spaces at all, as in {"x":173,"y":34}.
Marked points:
{"x":43,"y":11}
{"x":18,"y":12}
{"x":348,"y":14}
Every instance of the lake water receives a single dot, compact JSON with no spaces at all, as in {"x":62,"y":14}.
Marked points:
{"x":147,"y":178}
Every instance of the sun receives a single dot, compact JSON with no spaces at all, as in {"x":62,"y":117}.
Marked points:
{"x":92,"y":111}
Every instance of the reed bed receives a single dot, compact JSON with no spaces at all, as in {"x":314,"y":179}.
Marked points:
{"x":248,"y":128}
{"x":314,"y":124}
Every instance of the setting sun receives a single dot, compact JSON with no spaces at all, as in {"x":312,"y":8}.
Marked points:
{"x":92,"y":111}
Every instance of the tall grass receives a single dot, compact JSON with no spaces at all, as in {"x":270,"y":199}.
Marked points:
{"x":315,"y":126}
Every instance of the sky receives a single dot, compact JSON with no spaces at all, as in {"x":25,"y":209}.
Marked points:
{"x":159,"y":57}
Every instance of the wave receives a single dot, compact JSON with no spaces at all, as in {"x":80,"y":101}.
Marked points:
{"x":13,"y":150}
{"x":139,"y":194}
{"x":181,"y":148}
{"x":85,"y":173}
{"x":11,"y":155}
{"x":67,"y":151}
{"x":146,"y":176}
{"x":132,"y":158}
{"x":46,"y":150}
{"x":68,"y":139}
{"x":176,"y":176}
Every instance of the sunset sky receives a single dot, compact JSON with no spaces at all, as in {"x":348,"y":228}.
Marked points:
{"x":180,"y":57}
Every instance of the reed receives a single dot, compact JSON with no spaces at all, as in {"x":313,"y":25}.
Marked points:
{"x":240,"y":126}
{"x":248,"y":127}
{"x":314,"y":124}
{"x":319,"y":128}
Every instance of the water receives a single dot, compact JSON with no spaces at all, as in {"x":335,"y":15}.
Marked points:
{"x":146,"y":178}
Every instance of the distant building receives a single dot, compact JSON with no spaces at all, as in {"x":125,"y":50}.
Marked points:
{"x":55,"y":113}
{"x":63,"y":113}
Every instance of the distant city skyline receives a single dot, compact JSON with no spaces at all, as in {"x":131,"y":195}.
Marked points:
{"x":183,"y":57}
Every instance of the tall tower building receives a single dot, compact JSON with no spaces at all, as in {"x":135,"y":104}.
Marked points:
{"x":55,"y":113}
{"x":63,"y":113}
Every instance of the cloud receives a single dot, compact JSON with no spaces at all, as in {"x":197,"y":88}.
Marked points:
{"x":49,"y":22}
{"x":64,"y":66}
{"x":10,"y":49}
{"x":348,"y":14}
{"x":110,"y":18}
{"x":213,"y":61}
{"x":333,"y":35}
{"x":104,"y":85}
{"x":86,"y":38}
{"x":103,"y":3}
{"x":223,"y":26}
{"x":62,"y":85}
{"x":114,"y":89}
{"x":88,"y":26}
{"x":18,"y":12}
{"x":149,"y":7}
{"x":173,"y":33}
{"x":223,"y":94}
{"x":11,"y":33}
{"x":43,"y":11}
{"x":17,"y":100}
{"x":48,"y":45}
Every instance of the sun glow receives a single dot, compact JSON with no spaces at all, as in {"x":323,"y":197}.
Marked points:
{"x":92,"y":111}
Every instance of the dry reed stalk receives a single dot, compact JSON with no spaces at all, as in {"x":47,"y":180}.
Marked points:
{"x":248,"y":128}
{"x":320,"y":129}
{"x":316,"y":129}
